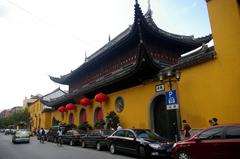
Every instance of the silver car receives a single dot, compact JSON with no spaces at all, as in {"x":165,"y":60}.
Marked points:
{"x":21,"y":136}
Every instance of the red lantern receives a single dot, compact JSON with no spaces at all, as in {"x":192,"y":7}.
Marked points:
{"x":70,"y":106}
{"x":100,"y":97}
{"x":62,"y":109}
{"x":85,"y":101}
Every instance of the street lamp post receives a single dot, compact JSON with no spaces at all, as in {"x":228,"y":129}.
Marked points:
{"x":171,"y":76}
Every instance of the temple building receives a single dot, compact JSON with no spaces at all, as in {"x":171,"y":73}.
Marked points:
{"x":132,"y":75}
{"x":40,"y":112}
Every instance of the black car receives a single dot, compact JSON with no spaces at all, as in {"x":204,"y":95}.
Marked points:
{"x":96,"y":138}
{"x":73,"y":137}
{"x":142,"y":142}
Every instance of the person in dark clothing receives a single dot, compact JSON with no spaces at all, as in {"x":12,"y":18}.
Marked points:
{"x":186,"y":128}
{"x":210,"y":122}
{"x":42,"y":132}
{"x":214,"y":121}
{"x":42,"y":135}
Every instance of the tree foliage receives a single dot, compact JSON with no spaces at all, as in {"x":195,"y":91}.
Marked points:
{"x":112,"y":120}
{"x":16,"y":118}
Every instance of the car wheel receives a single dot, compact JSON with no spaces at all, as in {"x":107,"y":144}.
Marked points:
{"x":183,"y":155}
{"x":99,"y":148}
{"x":71,"y":143}
{"x":112,"y":148}
{"x":83,"y":144}
{"x":142,"y":152}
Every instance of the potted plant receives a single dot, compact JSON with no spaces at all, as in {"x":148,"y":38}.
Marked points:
{"x":85,"y":126}
{"x":99,"y":124}
{"x":102,"y":123}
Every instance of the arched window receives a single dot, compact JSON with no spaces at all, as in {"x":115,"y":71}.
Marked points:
{"x":54,"y":121}
{"x":71,"y":118}
{"x":82,"y":116}
{"x":98,"y":115}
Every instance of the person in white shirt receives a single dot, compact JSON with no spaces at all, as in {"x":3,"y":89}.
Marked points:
{"x":59,"y":137}
{"x":118,"y":126}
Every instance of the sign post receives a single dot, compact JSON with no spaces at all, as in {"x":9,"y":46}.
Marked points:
{"x":171,"y":100}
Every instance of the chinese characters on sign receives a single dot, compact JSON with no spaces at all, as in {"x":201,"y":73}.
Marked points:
{"x":159,"y":88}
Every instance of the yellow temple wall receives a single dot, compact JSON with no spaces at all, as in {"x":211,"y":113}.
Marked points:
{"x":211,"y":89}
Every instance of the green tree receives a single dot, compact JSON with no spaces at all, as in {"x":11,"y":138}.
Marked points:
{"x":16,"y":118}
{"x":112,"y":120}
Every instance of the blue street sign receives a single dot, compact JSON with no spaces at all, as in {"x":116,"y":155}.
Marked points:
{"x":171,"y":100}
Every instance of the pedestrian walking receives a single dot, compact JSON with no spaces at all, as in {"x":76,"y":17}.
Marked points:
{"x":59,"y":137}
{"x":210,"y":122}
{"x":119,"y":126}
{"x":186,"y":129}
{"x":214,"y":121}
{"x":42,"y":135}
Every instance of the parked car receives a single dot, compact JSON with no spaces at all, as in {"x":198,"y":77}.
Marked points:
{"x":21,"y":136}
{"x":51,"y":135}
{"x":2,"y":130}
{"x":96,"y":138}
{"x":218,"y":142}
{"x":142,"y":142}
{"x":73,"y":137}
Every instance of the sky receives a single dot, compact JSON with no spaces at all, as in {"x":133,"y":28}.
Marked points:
{"x":39,"y":38}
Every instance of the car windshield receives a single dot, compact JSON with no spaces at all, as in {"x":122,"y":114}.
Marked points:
{"x":22,"y":132}
{"x":146,"y":134}
{"x":214,"y":133}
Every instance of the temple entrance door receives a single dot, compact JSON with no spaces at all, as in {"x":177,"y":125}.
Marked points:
{"x":164,"y":121}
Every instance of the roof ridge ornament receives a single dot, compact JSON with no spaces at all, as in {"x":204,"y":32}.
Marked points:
{"x":149,"y":11}
{"x":138,"y":11}
{"x":149,"y":5}
{"x":86,"y":57}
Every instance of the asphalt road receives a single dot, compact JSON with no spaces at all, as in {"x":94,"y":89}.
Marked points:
{"x":36,"y":150}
